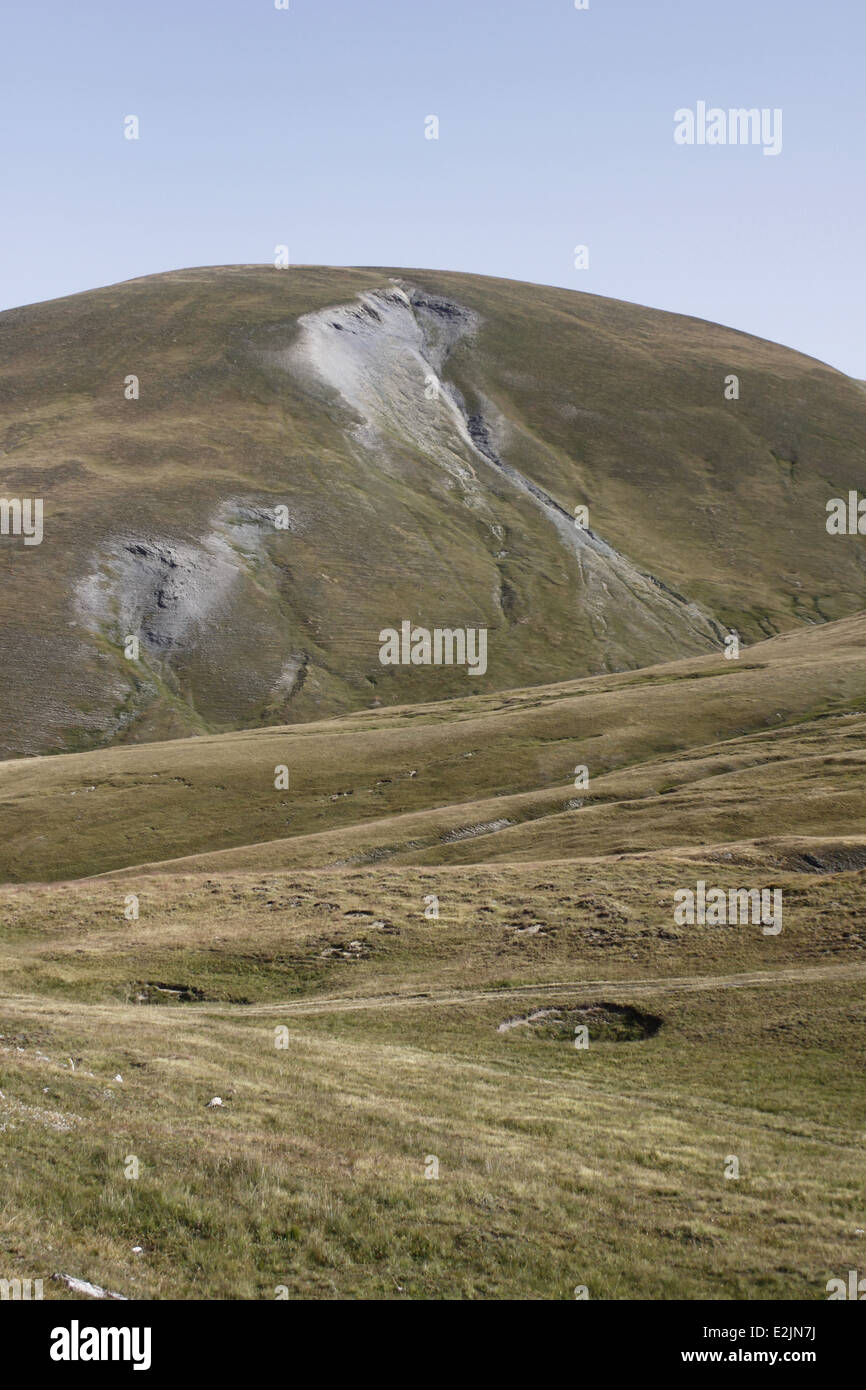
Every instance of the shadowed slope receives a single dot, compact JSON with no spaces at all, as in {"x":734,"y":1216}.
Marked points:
{"x":700,"y":751}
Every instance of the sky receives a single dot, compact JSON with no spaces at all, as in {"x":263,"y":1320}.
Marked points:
{"x":307,"y":127}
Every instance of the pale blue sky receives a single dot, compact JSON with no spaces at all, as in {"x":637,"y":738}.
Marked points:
{"x":306,"y":127}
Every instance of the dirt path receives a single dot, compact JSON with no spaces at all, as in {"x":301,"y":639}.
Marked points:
{"x":622,"y":990}
{"x":588,"y":989}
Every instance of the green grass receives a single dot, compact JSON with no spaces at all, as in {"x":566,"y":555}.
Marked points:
{"x":703,"y":758}
{"x":558,"y":1166}
{"x":297,"y":916}
{"x":684,"y":483}
{"x":603,"y":1167}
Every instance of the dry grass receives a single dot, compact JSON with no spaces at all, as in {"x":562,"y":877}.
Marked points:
{"x":558,"y":1166}
{"x":696,"y":751}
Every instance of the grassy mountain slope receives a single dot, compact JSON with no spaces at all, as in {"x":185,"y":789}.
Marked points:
{"x":450,"y":511}
{"x":405,"y":1039}
{"x":700,"y":751}
{"x":406,"y":1112}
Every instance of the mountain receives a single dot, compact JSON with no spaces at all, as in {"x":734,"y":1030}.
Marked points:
{"x":416,"y":928}
{"x":316,"y":455}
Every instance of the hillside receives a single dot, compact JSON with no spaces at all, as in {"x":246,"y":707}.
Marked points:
{"x":428,"y":436}
{"x":326,"y":979}
{"x":697,"y":751}
{"x":361,"y":1047}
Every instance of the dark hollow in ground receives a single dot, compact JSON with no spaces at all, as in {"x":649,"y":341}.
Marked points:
{"x":605,"y":1022}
